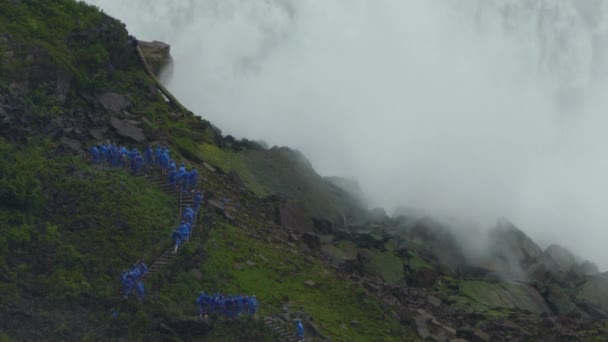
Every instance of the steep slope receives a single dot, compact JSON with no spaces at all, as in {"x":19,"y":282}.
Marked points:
{"x":71,"y":78}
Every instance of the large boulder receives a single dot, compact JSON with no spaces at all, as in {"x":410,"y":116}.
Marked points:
{"x":588,"y":268}
{"x":295,"y":216}
{"x":157,"y":54}
{"x":559,"y":259}
{"x":512,"y":251}
{"x":113,"y":102}
{"x":340,"y":252}
{"x":437,"y":242}
{"x":594,"y":294}
{"x":385,"y":265}
{"x":311,"y":240}
{"x":485,"y":295}
{"x":127,"y":130}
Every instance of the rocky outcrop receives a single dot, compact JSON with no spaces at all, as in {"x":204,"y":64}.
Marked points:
{"x":113,"y":102}
{"x":127,"y":130}
{"x":295,"y":216}
{"x":157,"y":54}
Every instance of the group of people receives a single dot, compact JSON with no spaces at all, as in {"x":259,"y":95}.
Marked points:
{"x":187,"y":179}
{"x":118,"y":156}
{"x":228,"y":306}
{"x":132,"y":280}
{"x":182,"y":233}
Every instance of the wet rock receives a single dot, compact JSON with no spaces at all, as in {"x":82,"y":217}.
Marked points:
{"x":434,"y":301}
{"x":341,"y":252}
{"x":323,"y":226}
{"x":98,"y":134}
{"x":588,"y":268}
{"x":157,"y":54}
{"x":295,"y":216}
{"x":421,"y":327}
{"x":479,"y":335}
{"x":312,"y":240}
{"x":219,"y":209}
{"x":71,"y":143}
{"x":196,"y":274}
{"x":127,"y":130}
{"x":113,"y":102}
{"x":326,"y":239}
{"x":235,"y":178}
{"x":310,"y":283}
{"x":559,"y":259}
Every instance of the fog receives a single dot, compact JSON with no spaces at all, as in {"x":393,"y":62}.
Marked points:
{"x":480,"y":108}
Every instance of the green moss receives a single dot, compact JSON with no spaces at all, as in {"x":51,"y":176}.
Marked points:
{"x":386,"y":265}
{"x":278,"y":276}
{"x":415,"y":262}
{"x":229,"y":161}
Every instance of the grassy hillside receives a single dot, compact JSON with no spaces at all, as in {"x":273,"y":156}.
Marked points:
{"x":67,"y":230}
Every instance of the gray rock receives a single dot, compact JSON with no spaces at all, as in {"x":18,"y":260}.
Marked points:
{"x":588,"y":268}
{"x":196,"y":274}
{"x":311,"y":240}
{"x":126,"y":130}
{"x":113,"y":102}
{"x":218,"y":208}
{"x":97,"y":134}
{"x":295,"y":216}
{"x":434,"y":301}
{"x":250,"y":263}
{"x":310,"y":283}
{"x":71,"y":143}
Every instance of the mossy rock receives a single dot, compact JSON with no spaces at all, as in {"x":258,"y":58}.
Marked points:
{"x":594,"y":291}
{"x":505,"y":295}
{"x":559,"y":300}
{"x":386,"y":265}
{"x":340,"y":252}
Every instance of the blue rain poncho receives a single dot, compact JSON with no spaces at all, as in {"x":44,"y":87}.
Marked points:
{"x":140,"y":289}
{"x":300,"y":330}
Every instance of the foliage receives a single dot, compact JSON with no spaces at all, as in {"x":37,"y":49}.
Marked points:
{"x":275,"y":274}
{"x":85,"y":226}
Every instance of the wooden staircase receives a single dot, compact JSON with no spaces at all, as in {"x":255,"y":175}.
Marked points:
{"x":280,"y":327}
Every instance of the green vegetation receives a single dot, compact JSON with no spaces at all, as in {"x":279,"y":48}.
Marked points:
{"x":386,"y":265}
{"x":229,"y":161}
{"x":84,"y":225}
{"x":278,"y":276}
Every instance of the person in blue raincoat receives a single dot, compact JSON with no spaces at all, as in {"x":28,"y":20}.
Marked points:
{"x":300,"y":328}
{"x":184,"y":230}
{"x":127,"y":284}
{"x":188,"y":214}
{"x":148,"y":156}
{"x":198,"y":199}
{"x":253,"y":305}
{"x":172,"y":177}
{"x":141,"y":266}
{"x":202,"y":301}
{"x":140,"y":290}
{"x":193,"y":178}
{"x":94,"y":154}
{"x":178,"y":239}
